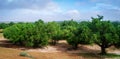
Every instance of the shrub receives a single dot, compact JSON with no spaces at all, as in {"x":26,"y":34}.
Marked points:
{"x":24,"y":54}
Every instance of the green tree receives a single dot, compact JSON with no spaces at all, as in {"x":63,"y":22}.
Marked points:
{"x":84,"y":33}
{"x":19,"y":33}
{"x":79,"y":35}
{"x":28,"y":34}
{"x":54,"y":32}
{"x":72,"y":39}
{"x":104,"y":33}
{"x":68,"y":29}
{"x":5,"y":25}
{"x":65,"y":27}
{"x":41,"y":37}
{"x":118,"y":32}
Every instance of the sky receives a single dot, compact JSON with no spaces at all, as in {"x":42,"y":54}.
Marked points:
{"x":58,"y":10}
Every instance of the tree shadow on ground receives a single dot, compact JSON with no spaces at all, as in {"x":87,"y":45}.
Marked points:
{"x":7,"y":44}
{"x":83,"y":50}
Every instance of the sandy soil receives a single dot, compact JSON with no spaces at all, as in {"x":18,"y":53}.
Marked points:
{"x":59,"y":51}
{"x":62,"y":46}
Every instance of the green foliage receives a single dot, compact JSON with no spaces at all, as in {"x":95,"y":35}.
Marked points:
{"x":84,"y":34}
{"x":110,"y":55}
{"x":40,"y":37}
{"x":77,"y":33}
{"x":54,"y":31}
{"x":67,"y":31}
{"x":27,"y":34}
{"x":5,"y":25}
{"x":24,"y":54}
{"x":72,"y":39}
{"x":20,"y":34}
{"x":104,"y":33}
{"x":118,"y":32}
{"x":37,"y":34}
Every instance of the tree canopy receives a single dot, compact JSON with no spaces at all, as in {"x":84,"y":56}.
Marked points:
{"x":104,"y":33}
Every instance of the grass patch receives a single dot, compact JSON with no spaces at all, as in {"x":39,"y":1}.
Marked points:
{"x":93,"y":55}
{"x":111,"y":55}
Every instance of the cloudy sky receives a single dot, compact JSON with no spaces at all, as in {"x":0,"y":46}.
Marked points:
{"x":58,"y":10}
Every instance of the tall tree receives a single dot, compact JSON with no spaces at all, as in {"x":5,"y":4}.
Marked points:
{"x":104,"y":33}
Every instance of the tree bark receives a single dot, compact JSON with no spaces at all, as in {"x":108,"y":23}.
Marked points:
{"x":103,"y":50}
{"x":54,"y":42}
{"x":75,"y":47}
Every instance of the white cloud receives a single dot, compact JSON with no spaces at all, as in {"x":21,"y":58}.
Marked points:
{"x":73,"y":14}
{"x":48,"y":10}
{"x":44,"y":11}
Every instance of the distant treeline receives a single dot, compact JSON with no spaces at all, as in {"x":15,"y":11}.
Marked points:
{"x":4,"y":25}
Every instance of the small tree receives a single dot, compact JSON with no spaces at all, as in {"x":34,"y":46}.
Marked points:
{"x":72,"y":39}
{"x":28,"y":34}
{"x":104,"y":33}
{"x":84,"y":33}
{"x":54,"y":32}
{"x":80,"y":35}
{"x":19,"y":33}
{"x":41,"y":37}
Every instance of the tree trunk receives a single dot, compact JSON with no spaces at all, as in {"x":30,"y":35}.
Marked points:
{"x":103,"y":51}
{"x":103,"y":46}
{"x":75,"y":46}
{"x":54,"y":42}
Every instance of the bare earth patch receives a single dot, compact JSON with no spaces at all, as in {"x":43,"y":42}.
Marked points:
{"x":62,"y":46}
{"x":59,"y":51}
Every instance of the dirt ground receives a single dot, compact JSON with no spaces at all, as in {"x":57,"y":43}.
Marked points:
{"x":60,"y":51}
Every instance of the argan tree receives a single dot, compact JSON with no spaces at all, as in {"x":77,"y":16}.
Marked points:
{"x":54,"y":32}
{"x":28,"y":34}
{"x":19,"y":33}
{"x":79,"y":35}
{"x":118,"y":32}
{"x":104,"y":33}
{"x":40,"y":34}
